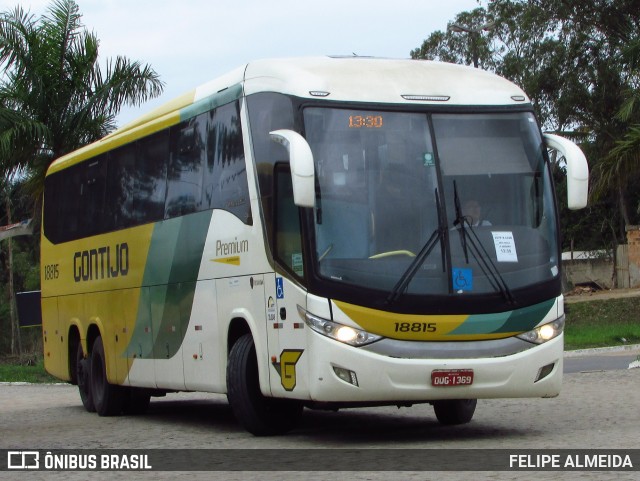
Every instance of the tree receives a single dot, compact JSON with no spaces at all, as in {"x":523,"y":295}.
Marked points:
{"x":465,"y":48}
{"x":573,"y":61}
{"x":19,"y":270}
{"x":55,"y":97}
{"x":620,"y":169}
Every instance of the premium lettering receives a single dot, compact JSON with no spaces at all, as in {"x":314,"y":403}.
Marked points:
{"x":233,"y":247}
{"x":101,"y":263}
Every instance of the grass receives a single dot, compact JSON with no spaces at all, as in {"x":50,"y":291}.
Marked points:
{"x":14,"y":370}
{"x":604,"y":323}
{"x":590,"y":324}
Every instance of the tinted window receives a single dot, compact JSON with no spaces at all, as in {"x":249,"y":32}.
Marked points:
{"x":196,"y":165}
{"x":288,"y":238}
{"x":226,"y":175}
{"x":268,"y":112}
{"x":185,"y":173}
{"x":150,"y":186}
{"x":120,"y":186}
{"x":52,"y":204}
{"x":91,"y":204}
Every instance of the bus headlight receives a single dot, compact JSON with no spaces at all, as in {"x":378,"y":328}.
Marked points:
{"x":544,"y":333}
{"x":339,"y":332}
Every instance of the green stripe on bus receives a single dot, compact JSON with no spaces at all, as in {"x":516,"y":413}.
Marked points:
{"x":519,"y":320}
{"x":169,"y":284}
{"x":212,"y":102}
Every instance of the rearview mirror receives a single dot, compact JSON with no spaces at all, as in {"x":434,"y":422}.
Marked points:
{"x":301,"y":161}
{"x":577,"y":170}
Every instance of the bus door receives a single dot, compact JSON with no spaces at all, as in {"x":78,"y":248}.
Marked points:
{"x":285,"y":336}
{"x":285,"y":327}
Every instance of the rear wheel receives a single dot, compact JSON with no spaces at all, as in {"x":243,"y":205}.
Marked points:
{"x":83,"y":375}
{"x":107,"y":397}
{"x":455,"y":411}
{"x":260,"y":415}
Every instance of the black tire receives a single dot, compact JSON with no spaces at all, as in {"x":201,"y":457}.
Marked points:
{"x":83,"y":378}
{"x":107,"y":398}
{"x":258,"y":414}
{"x":136,"y":401}
{"x":455,"y":411}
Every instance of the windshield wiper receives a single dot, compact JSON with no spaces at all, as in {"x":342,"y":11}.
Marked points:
{"x":460,"y":221}
{"x":478,"y":251}
{"x":437,"y":235}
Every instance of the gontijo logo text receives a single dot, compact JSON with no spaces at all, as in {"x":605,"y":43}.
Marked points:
{"x":101,"y":263}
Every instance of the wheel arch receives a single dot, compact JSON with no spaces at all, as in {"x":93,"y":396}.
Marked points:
{"x":92,"y":334}
{"x":73,"y":337}
{"x":238,"y":327}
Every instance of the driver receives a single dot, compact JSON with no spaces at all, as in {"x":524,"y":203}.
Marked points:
{"x":472,"y":212}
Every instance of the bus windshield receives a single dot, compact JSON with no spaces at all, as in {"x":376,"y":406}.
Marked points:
{"x":442,"y":203}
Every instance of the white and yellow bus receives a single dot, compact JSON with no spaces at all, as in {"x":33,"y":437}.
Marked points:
{"x":314,"y":232}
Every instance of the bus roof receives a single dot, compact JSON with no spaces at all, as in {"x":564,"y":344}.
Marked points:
{"x":367,"y":79}
{"x":363,"y":79}
{"x":354,"y":79}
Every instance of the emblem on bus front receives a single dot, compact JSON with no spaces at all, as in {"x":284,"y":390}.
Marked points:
{"x":286,"y":368}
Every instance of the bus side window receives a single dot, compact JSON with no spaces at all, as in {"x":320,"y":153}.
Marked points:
{"x":185,"y":173}
{"x":61,"y":201}
{"x":53,"y":200}
{"x":150,"y":186}
{"x":288,"y":238}
{"x":225,"y":184}
{"x":92,"y":200}
{"x":120,"y":186}
{"x":71,"y":189}
{"x":267,"y":112}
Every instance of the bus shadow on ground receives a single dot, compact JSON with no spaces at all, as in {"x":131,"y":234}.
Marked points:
{"x":355,"y":427}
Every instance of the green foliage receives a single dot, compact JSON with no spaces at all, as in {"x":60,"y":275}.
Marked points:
{"x":453,"y":47}
{"x":602,"y":323}
{"x":54,"y":95}
{"x":11,"y":370}
{"x":580,"y":64}
{"x":26,"y":270}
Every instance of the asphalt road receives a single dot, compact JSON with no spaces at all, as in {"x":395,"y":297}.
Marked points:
{"x":607,"y":359}
{"x":597,"y":409}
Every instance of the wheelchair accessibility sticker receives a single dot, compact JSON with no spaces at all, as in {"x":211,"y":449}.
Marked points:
{"x":462,"y":279}
{"x":279,"y":288}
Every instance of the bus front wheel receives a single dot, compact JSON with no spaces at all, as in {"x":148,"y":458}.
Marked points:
{"x":83,"y":374}
{"x":260,"y":415}
{"x":455,"y":411}
{"x":107,"y":397}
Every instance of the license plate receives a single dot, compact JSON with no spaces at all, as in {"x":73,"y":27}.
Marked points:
{"x":451,"y":377}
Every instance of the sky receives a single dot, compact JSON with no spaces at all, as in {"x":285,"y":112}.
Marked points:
{"x":189,"y":42}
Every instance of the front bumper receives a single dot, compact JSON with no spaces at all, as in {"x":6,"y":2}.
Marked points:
{"x":381,"y":378}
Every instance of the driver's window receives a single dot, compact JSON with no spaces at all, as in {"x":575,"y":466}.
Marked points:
{"x":288,"y":238}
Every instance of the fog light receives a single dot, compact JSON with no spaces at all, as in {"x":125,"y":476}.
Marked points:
{"x":346,"y":375}
{"x":545,"y":371}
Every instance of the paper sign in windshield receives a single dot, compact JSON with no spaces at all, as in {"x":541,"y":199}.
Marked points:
{"x":505,"y":246}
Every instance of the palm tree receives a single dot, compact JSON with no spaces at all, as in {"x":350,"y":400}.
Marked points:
{"x":622,"y":164}
{"x":54,"y":95}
